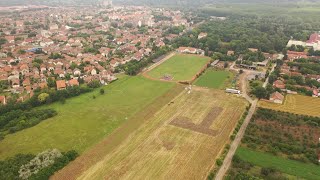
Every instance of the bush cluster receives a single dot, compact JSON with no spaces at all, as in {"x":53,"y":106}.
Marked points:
{"x":17,"y":120}
{"x":42,"y":160}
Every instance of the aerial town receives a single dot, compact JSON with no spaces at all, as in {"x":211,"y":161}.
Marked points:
{"x":61,"y":47}
{"x":159,"y":89}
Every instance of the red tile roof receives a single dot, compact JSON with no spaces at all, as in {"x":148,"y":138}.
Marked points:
{"x":277,"y":96}
{"x":279,"y":84}
{"x":73,"y":82}
{"x":314,"y":38}
{"x":61,"y":84}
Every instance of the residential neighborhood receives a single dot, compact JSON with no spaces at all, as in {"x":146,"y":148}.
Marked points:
{"x":159,"y":89}
{"x":61,"y":47}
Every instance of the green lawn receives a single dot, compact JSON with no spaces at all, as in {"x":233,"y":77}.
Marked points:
{"x":213,"y":79}
{"x":180,"y":67}
{"x":84,"y":121}
{"x":303,"y":170}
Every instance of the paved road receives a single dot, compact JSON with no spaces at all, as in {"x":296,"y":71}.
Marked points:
{"x":234,"y":145}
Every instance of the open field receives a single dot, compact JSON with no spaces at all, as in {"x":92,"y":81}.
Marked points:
{"x":180,"y":67}
{"x":303,"y":170}
{"x":213,"y":79}
{"x":84,"y":121}
{"x":296,"y":104}
{"x":181,"y":141}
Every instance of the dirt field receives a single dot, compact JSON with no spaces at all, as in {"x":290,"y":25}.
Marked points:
{"x":296,"y":104}
{"x":174,"y":143}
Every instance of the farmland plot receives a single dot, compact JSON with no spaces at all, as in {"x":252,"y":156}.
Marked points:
{"x":296,"y":104}
{"x":175,"y":143}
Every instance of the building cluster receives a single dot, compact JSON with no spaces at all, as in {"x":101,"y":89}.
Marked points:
{"x":292,"y":71}
{"x":70,"y":46}
{"x":312,"y":42}
{"x":289,"y":69}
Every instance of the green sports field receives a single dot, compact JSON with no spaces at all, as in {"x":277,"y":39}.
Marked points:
{"x":83,"y":121}
{"x":213,"y":79}
{"x":303,"y":170}
{"x":180,"y":67}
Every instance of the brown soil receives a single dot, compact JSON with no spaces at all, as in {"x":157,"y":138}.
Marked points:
{"x":203,"y":127}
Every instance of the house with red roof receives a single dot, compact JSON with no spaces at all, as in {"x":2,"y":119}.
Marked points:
{"x":276,"y":97}
{"x":314,"y":38}
{"x":61,"y":85}
{"x":293,"y":55}
{"x":43,"y":85}
{"x":279,"y":84}
{"x":73,"y":82}
{"x":26,"y":82}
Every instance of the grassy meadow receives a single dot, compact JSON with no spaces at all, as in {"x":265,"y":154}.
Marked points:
{"x":83,"y":121}
{"x":181,"y":67}
{"x":213,"y":79}
{"x":299,"y":169}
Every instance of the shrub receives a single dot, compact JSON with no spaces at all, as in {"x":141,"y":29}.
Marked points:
{"x":62,"y":100}
{"x":43,"y":97}
{"x":94,"y":84}
{"x":17,"y":120}
{"x":101,"y":91}
{"x":219,"y":162}
{"x":41,"y":161}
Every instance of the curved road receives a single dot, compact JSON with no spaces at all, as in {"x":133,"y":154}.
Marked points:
{"x":234,"y":145}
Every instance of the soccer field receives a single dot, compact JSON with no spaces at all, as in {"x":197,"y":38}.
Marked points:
{"x":180,"y":67}
{"x":213,"y":79}
{"x":296,"y":104}
{"x":84,"y":121}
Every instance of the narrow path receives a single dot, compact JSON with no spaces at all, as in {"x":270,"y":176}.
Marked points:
{"x":234,"y":145}
{"x":227,"y":161}
{"x":267,"y":80}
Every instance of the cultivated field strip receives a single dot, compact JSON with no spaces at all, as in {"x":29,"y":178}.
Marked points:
{"x":296,"y":104}
{"x":159,"y":150}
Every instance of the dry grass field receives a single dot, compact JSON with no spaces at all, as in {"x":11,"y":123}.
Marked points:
{"x":296,"y":104}
{"x":180,"y":141}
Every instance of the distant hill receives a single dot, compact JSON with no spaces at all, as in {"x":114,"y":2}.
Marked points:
{"x":193,"y":3}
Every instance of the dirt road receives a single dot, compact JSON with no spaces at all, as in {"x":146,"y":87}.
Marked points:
{"x":227,"y":161}
{"x":234,"y":145}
